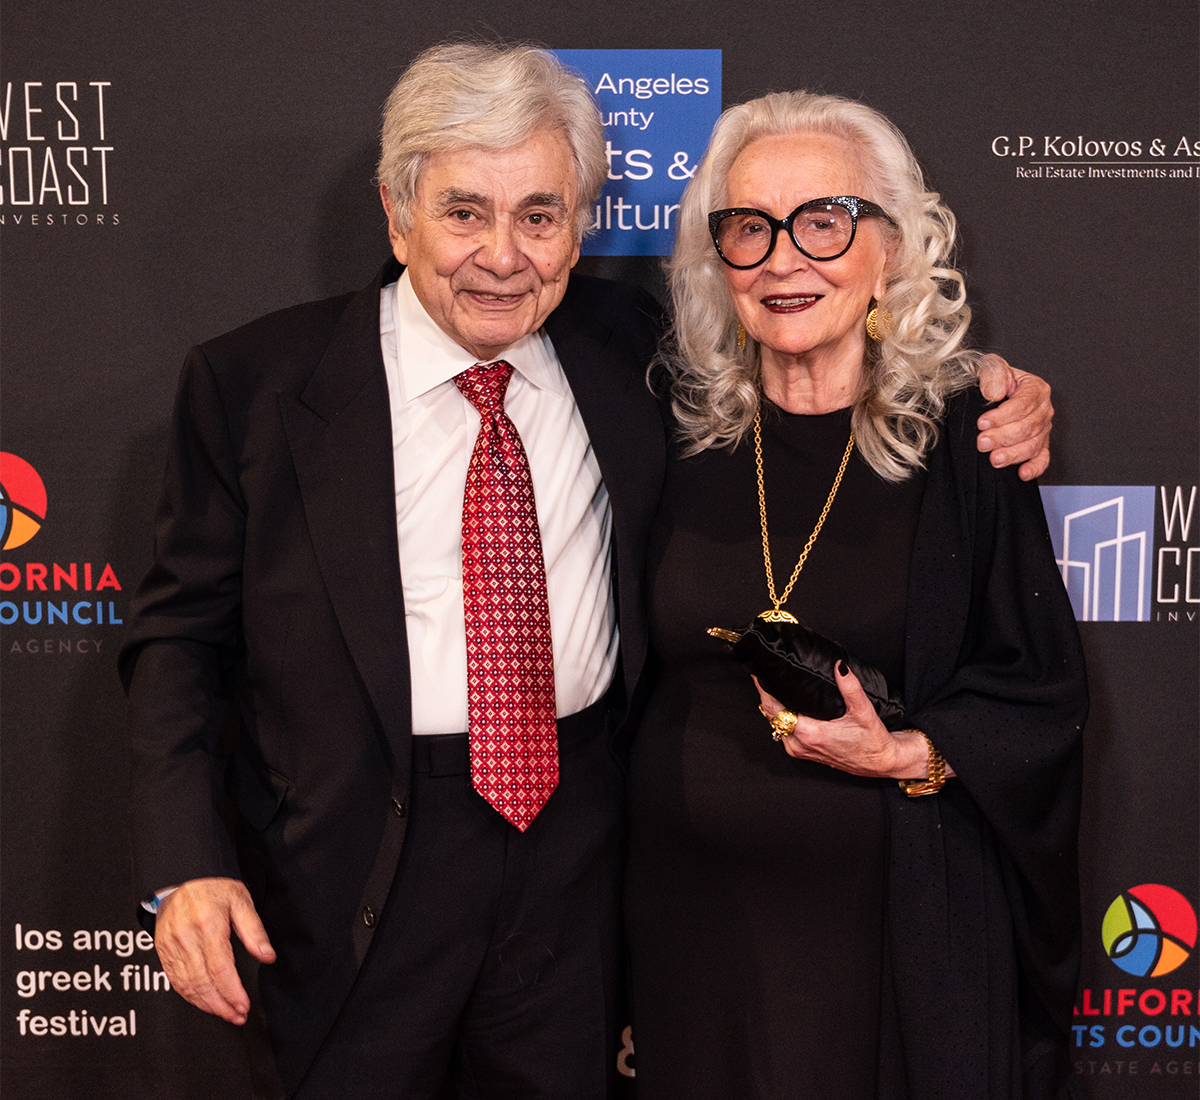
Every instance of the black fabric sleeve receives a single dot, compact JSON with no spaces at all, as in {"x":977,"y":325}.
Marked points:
{"x":179,"y":660}
{"x":1010,"y":714}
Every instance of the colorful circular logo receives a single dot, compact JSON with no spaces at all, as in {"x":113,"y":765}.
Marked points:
{"x":22,"y":501}
{"x":1149,"y":930}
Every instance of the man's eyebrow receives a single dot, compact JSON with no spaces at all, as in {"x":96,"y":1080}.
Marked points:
{"x":453,"y":196}
{"x":545,"y":198}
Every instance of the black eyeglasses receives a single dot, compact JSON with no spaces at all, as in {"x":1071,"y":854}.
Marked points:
{"x":822,"y":229}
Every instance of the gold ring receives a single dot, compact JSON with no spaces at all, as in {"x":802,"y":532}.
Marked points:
{"x":782,"y":725}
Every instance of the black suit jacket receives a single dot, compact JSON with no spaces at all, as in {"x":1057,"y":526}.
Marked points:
{"x":276,"y":583}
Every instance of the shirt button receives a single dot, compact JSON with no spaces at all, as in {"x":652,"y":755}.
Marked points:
{"x":398,"y":806}
{"x":368,"y":916}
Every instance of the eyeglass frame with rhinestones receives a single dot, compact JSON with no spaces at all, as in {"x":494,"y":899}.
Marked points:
{"x":851,"y":203}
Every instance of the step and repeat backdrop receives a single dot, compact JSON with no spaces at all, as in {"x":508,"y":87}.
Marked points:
{"x":168,"y":172}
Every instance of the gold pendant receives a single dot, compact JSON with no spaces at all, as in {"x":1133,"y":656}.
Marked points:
{"x":778,"y":615}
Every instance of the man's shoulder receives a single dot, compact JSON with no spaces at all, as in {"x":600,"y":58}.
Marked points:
{"x":282,"y":333}
{"x":590,"y":294}
{"x":294,"y":339}
{"x":607,"y":315}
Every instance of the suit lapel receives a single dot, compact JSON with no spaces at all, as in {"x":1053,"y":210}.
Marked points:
{"x":340,"y":434}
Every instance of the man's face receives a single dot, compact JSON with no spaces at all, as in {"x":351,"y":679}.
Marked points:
{"x":492,"y":239}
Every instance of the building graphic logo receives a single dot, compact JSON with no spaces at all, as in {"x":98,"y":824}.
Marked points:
{"x":22,"y":501}
{"x":1103,"y":536}
{"x":1149,"y":930}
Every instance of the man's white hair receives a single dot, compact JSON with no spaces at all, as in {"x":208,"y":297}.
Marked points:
{"x":494,"y":97}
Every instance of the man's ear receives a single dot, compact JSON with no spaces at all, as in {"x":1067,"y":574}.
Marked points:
{"x":395,"y":234}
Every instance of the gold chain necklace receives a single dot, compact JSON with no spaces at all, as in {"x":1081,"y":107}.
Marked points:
{"x":777,"y":614}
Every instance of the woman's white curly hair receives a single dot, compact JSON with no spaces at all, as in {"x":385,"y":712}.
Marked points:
{"x":908,"y":375}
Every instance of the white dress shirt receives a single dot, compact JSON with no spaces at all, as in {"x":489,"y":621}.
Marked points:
{"x":433,"y":433}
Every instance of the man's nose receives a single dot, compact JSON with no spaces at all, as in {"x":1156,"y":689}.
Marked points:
{"x":500,"y":252}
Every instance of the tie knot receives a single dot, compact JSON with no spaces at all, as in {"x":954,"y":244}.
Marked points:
{"x":484,"y":385}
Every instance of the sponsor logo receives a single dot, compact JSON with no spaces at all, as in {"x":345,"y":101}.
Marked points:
{"x":1088,"y":156}
{"x":1102,"y":536}
{"x":56,"y":153}
{"x":659,"y":107}
{"x":1118,"y":564}
{"x":1149,"y":930}
{"x":22,"y":501}
{"x":49,"y":591}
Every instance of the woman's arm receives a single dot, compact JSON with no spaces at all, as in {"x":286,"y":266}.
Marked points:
{"x":858,"y":742}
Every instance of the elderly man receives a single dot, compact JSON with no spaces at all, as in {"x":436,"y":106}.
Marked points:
{"x":397,"y":529}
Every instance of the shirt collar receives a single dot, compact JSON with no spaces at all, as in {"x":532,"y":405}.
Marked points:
{"x":428,"y":357}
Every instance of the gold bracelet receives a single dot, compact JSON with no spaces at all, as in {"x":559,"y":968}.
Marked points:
{"x":915,"y":788}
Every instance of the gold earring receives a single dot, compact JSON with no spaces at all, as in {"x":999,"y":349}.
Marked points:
{"x":879,"y":323}
{"x":741,"y":336}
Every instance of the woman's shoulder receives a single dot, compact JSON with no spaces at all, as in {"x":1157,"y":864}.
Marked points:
{"x":958,"y":432}
{"x":963,"y":409}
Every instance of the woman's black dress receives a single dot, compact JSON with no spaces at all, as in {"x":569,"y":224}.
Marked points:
{"x":755,"y":887}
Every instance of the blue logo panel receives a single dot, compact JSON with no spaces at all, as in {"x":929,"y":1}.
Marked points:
{"x":1103,"y":542}
{"x":659,"y":108}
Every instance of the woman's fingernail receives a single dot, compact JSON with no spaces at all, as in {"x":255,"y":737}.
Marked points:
{"x":843,"y":668}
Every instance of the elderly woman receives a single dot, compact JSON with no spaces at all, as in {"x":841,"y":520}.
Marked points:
{"x":847,"y":908}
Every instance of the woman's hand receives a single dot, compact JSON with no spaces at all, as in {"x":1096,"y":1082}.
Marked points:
{"x":858,"y":742}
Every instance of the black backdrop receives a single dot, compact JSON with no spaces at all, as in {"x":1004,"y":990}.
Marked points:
{"x":233,"y":176}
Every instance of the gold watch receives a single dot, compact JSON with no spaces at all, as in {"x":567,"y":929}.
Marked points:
{"x":915,"y":788}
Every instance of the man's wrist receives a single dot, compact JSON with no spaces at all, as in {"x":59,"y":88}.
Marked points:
{"x":153,"y":902}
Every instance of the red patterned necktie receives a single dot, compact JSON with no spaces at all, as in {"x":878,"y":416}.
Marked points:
{"x":510,"y":663}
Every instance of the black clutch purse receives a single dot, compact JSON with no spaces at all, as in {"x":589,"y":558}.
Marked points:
{"x":796,"y":665}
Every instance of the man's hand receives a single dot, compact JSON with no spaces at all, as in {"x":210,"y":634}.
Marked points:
{"x":191,"y":934}
{"x":1018,"y":429}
